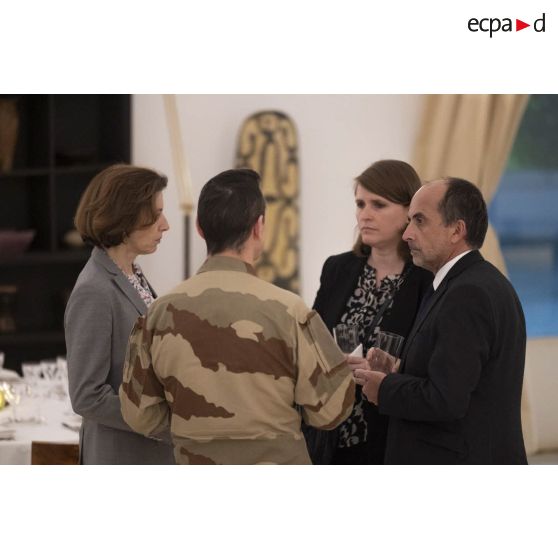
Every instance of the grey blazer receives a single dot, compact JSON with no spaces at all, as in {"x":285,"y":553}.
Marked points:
{"x":100,"y":314}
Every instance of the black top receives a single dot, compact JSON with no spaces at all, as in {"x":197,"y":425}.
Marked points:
{"x":338,"y":281}
{"x":339,"y":277}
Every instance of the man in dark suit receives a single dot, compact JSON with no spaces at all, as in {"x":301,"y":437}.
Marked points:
{"x":457,"y":395}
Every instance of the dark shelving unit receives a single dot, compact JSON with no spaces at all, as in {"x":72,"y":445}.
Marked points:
{"x":63,"y":141}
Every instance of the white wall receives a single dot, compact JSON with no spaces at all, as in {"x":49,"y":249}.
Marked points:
{"x":339,"y":136}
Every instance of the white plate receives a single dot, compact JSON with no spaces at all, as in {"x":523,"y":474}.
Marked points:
{"x":6,"y":434}
{"x":9,"y":375}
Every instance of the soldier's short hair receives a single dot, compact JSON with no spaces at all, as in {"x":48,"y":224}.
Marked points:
{"x":229,"y":206}
{"x":117,"y":201}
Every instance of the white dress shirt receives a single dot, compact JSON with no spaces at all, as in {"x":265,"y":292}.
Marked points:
{"x":444,"y":270}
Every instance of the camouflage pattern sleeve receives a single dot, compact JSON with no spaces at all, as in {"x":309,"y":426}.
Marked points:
{"x":142,"y":396}
{"x":325,"y":388}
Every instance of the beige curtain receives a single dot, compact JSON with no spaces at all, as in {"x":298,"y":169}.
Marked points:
{"x":471,"y":137}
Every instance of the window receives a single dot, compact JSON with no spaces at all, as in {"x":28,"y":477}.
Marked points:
{"x":524,"y":213}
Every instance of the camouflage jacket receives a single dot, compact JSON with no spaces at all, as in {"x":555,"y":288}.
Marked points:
{"x":231,"y":361}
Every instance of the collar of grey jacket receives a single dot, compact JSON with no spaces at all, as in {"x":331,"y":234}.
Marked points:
{"x":101,"y":258}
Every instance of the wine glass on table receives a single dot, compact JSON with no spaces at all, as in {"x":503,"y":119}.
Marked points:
{"x":32,"y":375}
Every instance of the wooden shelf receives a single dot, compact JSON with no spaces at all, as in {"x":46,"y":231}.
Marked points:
{"x":62,"y":142}
{"x":93,"y":168}
{"x":30,"y":337}
{"x":22,"y":173}
{"x":57,"y":170}
{"x":39,"y":258}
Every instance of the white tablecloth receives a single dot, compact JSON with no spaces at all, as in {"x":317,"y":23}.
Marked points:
{"x":55,"y":412}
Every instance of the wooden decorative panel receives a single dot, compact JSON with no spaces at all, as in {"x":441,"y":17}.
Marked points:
{"x":268,"y":144}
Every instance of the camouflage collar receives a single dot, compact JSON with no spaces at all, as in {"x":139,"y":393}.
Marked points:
{"x":226,"y":263}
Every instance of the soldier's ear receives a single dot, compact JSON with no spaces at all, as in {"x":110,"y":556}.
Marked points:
{"x":259,"y":228}
{"x":198,"y":228}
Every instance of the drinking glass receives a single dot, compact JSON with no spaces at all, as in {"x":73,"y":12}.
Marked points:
{"x":62,"y":375}
{"x":15,"y":395}
{"x":387,"y":349}
{"x":346,"y":337}
{"x":32,"y":375}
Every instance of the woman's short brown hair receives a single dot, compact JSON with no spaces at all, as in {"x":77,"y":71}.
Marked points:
{"x":117,"y":201}
{"x":395,"y":181}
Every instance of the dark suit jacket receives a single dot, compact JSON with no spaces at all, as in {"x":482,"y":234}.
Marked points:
{"x":457,"y":397}
{"x":338,"y":281}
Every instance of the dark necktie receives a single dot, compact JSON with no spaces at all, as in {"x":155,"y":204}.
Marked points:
{"x":424,"y":302}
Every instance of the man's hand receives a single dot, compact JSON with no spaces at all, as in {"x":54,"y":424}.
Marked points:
{"x":370,"y":381}
{"x":355,"y":362}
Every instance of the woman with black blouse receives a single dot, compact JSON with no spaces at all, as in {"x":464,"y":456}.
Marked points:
{"x":377,"y":287}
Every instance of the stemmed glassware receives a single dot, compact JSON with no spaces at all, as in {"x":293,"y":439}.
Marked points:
{"x":14,"y":395}
{"x":32,"y":375}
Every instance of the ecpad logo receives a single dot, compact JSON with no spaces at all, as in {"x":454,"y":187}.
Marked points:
{"x":494,"y":24}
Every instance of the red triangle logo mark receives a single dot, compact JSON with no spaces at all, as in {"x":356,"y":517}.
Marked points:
{"x":519,"y":25}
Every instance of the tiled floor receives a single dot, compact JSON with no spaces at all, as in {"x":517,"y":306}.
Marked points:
{"x":550,"y":458}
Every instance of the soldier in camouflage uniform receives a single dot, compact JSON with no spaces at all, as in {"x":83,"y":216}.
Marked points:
{"x":229,"y":359}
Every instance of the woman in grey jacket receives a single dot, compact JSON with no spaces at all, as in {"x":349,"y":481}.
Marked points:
{"x":121,"y":215}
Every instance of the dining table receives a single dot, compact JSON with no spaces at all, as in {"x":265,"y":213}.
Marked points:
{"x":45,"y":418}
